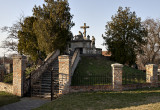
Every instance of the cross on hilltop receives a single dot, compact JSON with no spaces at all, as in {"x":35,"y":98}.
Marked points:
{"x":84,"y":27}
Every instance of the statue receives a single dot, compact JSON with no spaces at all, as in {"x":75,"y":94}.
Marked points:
{"x":79,"y":37}
{"x":80,"y":33}
{"x":93,"y":42}
{"x":88,"y":37}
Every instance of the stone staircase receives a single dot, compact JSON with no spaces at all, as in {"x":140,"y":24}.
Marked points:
{"x":42,"y":88}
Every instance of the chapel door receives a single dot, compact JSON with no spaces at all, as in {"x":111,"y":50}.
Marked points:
{"x":81,"y":50}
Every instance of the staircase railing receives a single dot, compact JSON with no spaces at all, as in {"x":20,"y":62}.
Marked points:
{"x":75,"y":60}
{"x":37,"y":73}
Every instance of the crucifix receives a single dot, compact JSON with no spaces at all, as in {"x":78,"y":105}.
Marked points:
{"x":84,"y":27}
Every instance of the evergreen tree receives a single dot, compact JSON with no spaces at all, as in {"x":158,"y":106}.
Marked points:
{"x":124,"y":36}
{"x":28,"y":44}
{"x":47,"y":30}
{"x":53,"y":25}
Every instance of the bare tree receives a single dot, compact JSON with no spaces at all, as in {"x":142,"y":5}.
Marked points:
{"x":151,"y":50}
{"x":11,"y":42}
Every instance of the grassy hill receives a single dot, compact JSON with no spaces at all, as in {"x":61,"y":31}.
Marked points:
{"x":143,"y":99}
{"x":98,"y":71}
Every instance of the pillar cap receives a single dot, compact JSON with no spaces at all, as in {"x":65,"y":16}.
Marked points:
{"x":117,"y":65}
{"x":154,"y":65}
{"x":19,"y":57}
{"x":63,"y":57}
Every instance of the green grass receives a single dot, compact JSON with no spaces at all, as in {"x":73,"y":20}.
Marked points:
{"x":104,"y":100}
{"x":6,"y":98}
{"x":98,"y":71}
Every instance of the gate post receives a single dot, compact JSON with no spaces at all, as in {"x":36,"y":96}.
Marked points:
{"x":117,"y":77}
{"x":64,"y":73}
{"x":151,"y":74}
{"x":19,"y":66}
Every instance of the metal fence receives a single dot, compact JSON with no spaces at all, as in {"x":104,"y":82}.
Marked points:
{"x":89,"y":80}
{"x":133,"y":76}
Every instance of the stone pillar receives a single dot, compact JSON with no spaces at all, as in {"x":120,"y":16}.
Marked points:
{"x":117,"y":77}
{"x":64,"y":73}
{"x":151,"y":74}
{"x":19,"y":66}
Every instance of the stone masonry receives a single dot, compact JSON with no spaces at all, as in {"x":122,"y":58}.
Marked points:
{"x":117,"y":77}
{"x":151,"y":74}
{"x":6,"y":87}
{"x":19,"y":66}
{"x":64,"y":73}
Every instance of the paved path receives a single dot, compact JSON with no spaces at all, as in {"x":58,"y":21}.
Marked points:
{"x":25,"y":104}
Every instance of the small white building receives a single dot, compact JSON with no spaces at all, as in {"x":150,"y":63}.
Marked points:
{"x":84,"y":43}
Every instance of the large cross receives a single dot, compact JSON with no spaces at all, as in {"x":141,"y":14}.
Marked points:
{"x":84,"y":27}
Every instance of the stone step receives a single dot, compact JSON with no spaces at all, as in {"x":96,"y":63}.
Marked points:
{"x":46,"y":95}
{"x":43,"y":85}
{"x":38,"y":91}
{"x":42,"y":96}
{"x":46,"y":87}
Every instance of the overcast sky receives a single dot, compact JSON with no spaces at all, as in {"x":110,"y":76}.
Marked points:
{"x":95,"y":13}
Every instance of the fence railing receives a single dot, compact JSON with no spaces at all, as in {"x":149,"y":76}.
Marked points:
{"x":88,"y":80}
{"x":129,"y":76}
{"x":28,"y":82}
{"x":133,"y":76}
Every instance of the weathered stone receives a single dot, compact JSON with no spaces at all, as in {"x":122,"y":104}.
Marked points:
{"x":19,"y":66}
{"x":117,"y":76}
{"x":64,"y":73}
{"x":6,"y":87}
{"x":84,"y":44}
{"x":151,"y":74}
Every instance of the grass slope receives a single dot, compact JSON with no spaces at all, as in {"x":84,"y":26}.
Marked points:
{"x":107,"y":100}
{"x":98,"y":71}
{"x":6,"y":98}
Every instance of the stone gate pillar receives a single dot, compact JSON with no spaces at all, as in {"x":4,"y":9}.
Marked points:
{"x":19,"y":66}
{"x":64,"y":73}
{"x":151,"y":74}
{"x":117,"y":76}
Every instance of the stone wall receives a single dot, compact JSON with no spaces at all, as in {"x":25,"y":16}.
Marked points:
{"x":110,"y":87}
{"x":139,"y":86}
{"x":80,"y":44}
{"x":90,"y":51}
{"x":6,"y":87}
{"x":75,"y":61}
